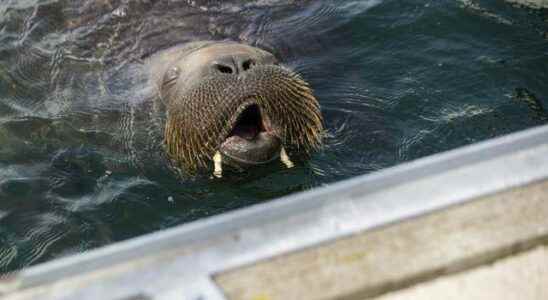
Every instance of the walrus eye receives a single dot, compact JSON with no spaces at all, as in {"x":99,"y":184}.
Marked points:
{"x":171,"y":75}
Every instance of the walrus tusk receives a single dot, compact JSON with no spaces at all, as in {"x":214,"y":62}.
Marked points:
{"x":285,"y":159}
{"x":218,"y":167}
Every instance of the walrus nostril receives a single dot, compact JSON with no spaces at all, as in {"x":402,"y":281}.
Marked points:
{"x":224,"y":68}
{"x":246,"y":65}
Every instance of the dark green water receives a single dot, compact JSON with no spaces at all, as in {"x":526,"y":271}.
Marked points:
{"x":80,"y":165}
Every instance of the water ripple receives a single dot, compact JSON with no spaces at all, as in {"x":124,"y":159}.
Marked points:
{"x":81,"y":157}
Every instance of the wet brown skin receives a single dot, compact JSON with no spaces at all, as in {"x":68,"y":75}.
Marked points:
{"x":232,"y":99}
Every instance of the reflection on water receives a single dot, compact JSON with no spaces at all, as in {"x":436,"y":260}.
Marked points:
{"x":80,"y":158}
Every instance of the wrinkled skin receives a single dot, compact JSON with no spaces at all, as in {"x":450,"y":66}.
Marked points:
{"x":235,"y":101}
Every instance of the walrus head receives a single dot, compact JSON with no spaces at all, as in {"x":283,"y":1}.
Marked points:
{"x":234,"y":103}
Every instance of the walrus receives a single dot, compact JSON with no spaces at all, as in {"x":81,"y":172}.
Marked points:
{"x":219,"y":96}
{"x":231,"y":103}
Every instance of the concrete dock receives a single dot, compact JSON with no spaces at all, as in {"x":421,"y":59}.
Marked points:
{"x":491,"y":248}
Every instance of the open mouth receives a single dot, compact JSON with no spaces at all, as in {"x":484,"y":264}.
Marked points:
{"x":251,"y":140}
{"x":249,"y":124}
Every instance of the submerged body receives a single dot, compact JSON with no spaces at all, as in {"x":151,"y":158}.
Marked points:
{"x":230,"y":102}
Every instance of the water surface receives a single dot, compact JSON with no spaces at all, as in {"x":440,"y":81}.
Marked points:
{"x":81,"y":164}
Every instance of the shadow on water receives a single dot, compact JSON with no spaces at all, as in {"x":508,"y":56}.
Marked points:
{"x":81,"y":161}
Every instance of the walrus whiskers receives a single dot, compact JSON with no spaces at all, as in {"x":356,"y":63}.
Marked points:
{"x":296,"y":114}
